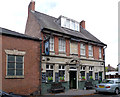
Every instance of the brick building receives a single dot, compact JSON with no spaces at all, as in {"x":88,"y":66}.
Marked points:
{"x":70,"y":53}
{"x":20,"y":65}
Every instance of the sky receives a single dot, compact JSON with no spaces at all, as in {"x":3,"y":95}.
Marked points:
{"x":101,"y":18}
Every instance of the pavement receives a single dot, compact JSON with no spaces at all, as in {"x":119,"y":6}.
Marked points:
{"x":74,"y":92}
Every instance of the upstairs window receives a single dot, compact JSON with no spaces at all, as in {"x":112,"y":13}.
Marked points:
{"x":82,"y":49}
{"x":15,"y":65}
{"x":100,"y":53}
{"x":69,"y":23}
{"x":72,"y":25}
{"x":62,"y":45}
{"x":90,"y":48}
{"x":51,"y":43}
{"x":73,"y":48}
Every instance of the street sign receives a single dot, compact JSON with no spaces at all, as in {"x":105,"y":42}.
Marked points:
{"x":47,"y":47}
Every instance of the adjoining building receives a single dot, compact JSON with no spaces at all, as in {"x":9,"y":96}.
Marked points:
{"x":70,"y":53}
{"x":20,"y":62}
{"x":110,"y":68}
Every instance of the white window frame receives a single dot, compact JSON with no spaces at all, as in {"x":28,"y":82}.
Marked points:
{"x":69,"y":23}
{"x":61,"y":69}
{"x":90,"y":50}
{"x":82,"y":49}
{"x":62,"y":45}
{"x":91,"y":68}
{"x":49,"y":69}
{"x":100,"y":53}
{"x":51,"y":43}
{"x":15,"y":69}
{"x":82,"y":68}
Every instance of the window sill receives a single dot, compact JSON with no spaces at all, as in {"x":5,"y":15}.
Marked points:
{"x":14,"y":77}
{"x":52,"y":51}
{"x":60,"y":52}
{"x":91,"y":57}
{"x":74,"y":54}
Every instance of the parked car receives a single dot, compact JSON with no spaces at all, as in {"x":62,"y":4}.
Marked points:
{"x":4,"y":94}
{"x":109,"y":85}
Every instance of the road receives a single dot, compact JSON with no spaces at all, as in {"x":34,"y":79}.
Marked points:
{"x":93,"y":95}
{"x":102,"y":95}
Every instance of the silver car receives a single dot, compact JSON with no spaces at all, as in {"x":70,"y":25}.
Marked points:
{"x":109,"y":85}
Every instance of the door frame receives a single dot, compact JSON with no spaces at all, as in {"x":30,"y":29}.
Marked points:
{"x":76,"y":77}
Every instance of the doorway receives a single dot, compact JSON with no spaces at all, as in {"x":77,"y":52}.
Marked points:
{"x":73,"y":79}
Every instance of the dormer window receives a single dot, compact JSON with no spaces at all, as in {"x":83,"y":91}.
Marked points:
{"x":69,"y":23}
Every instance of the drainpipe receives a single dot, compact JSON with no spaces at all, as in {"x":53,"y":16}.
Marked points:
{"x":40,"y":70}
{"x":104,"y":61}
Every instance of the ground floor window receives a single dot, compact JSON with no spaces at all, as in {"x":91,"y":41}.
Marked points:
{"x":49,"y":72}
{"x":49,"y":75}
{"x":90,"y":75}
{"x":61,"y":75}
{"x":83,"y":75}
{"x":96,"y":76}
{"x":15,"y":65}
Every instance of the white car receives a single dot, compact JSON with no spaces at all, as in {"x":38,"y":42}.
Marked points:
{"x":109,"y":85}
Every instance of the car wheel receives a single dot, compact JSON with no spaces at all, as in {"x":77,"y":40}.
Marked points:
{"x":96,"y":92}
{"x":116,"y":91}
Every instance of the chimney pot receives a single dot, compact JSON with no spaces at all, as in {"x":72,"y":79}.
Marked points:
{"x":31,"y":6}
{"x":82,"y":23}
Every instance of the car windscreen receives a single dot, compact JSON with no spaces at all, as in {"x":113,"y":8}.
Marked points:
{"x":108,"y":81}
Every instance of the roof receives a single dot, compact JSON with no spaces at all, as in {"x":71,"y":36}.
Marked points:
{"x":7,"y":32}
{"x":110,"y":68}
{"x":49,"y":22}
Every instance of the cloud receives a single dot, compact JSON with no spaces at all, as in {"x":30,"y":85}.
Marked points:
{"x":101,"y":18}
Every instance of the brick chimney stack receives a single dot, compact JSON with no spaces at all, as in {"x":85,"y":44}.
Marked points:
{"x":31,"y":6}
{"x":82,"y":23}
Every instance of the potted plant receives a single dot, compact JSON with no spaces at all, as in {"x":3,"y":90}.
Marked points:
{"x":50,"y":79}
{"x":62,"y":79}
{"x":83,"y":77}
{"x":91,"y":78}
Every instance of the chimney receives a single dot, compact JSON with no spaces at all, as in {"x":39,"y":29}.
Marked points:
{"x":31,"y":6}
{"x":82,"y":23}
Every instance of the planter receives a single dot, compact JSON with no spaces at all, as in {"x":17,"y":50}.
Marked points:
{"x":62,"y":80}
{"x":50,"y":80}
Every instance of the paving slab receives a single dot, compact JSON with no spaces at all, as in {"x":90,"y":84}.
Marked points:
{"x":74,"y":92}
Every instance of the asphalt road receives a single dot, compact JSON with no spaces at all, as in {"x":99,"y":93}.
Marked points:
{"x":92,"y":95}
{"x":102,"y":95}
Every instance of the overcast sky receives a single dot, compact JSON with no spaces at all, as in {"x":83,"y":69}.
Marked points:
{"x":101,"y":18}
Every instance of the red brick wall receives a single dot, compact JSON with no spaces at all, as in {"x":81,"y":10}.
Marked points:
{"x":96,"y":52}
{"x":32,"y":26}
{"x":30,"y":82}
{"x":56,"y":45}
{"x":67,"y":47}
{"x":102,"y":53}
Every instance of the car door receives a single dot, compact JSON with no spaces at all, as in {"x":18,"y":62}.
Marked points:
{"x":119,"y":83}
